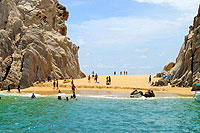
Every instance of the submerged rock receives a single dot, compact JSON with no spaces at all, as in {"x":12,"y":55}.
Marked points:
{"x":33,"y":43}
{"x":187,"y":68}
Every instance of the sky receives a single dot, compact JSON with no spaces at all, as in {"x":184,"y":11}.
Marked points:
{"x":138,"y":36}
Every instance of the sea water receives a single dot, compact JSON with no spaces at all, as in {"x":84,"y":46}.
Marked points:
{"x":20,"y":113}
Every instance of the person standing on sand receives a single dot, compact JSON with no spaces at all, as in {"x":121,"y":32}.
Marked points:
{"x":57,"y":83}
{"x":89,"y":78}
{"x":18,"y":88}
{"x":109,"y":80}
{"x":120,"y":73}
{"x":96,"y":77}
{"x":54,"y":84}
{"x":150,"y":79}
{"x":92,"y":74}
{"x":126,"y":73}
{"x":8,"y":88}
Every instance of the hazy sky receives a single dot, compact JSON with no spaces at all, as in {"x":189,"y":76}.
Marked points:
{"x":139,"y":36}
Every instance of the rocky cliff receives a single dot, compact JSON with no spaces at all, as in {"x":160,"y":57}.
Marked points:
{"x":187,"y":68}
{"x":33,"y":43}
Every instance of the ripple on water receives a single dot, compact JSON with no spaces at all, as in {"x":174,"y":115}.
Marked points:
{"x":22,"y":114}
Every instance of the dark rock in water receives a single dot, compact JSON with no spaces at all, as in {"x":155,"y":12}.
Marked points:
{"x":136,"y":94}
{"x":33,"y":43}
{"x":186,"y":71}
{"x":149,"y":93}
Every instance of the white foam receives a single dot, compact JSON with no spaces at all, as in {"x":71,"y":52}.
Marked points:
{"x":91,"y":96}
{"x":19,"y":94}
{"x":141,"y":98}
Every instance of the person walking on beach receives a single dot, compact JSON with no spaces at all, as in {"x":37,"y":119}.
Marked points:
{"x":18,"y":88}
{"x":89,"y":78}
{"x":150,"y":79}
{"x":57,"y":83}
{"x":54,"y":84}
{"x":126,"y":73}
{"x":120,"y":73}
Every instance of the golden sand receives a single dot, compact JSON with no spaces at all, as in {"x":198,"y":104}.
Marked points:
{"x":121,"y":85}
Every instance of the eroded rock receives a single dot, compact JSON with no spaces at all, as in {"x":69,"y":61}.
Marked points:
{"x":33,"y":43}
{"x":186,"y":71}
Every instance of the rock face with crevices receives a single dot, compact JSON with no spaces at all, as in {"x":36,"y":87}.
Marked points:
{"x":33,"y":43}
{"x":186,"y":71}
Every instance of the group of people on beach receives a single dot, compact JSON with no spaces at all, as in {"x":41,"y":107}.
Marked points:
{"x":95,"y":76}
{"x":125,"y":73}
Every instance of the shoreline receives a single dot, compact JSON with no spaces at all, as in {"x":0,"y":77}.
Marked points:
{"x":121,"y":86}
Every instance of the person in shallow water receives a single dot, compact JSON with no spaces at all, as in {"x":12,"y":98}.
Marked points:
{"x":59,"y":95}
{"x":67,"y":99}
{"x":33,"y":96}
{"x":73,"y":91}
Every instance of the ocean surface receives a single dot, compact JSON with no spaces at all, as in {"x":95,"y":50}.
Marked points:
{"x":20,"y":113}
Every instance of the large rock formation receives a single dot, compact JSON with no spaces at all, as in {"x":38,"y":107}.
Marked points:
{"x":187,"y":68}
{"x":33,"y":43}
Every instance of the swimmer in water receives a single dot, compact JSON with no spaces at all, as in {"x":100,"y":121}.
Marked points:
{"x":59,"y":95}
{"x":67,"y":99}
{"x":33,"y":96}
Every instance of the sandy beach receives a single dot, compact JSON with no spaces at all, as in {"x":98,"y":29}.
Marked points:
{"x":121,"y":86}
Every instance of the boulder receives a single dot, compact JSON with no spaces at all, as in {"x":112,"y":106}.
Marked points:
{"x":149,"y":93}
{"x":136,"y":94}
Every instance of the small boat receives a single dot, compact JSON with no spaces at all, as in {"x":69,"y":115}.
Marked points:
{"x":196,"y":88}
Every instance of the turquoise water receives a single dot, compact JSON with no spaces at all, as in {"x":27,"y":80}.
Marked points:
{"x":47,"y":114}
